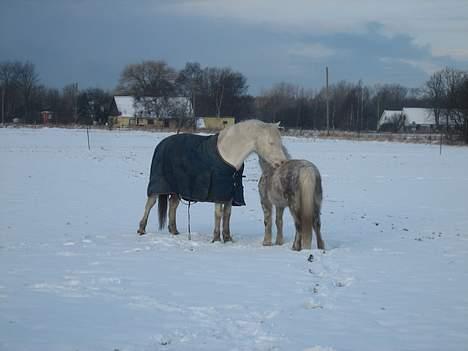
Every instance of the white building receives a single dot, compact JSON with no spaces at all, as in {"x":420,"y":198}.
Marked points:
{"x":128,"y":106}
{"x":129,"y":111}
{"x":410,"y":118}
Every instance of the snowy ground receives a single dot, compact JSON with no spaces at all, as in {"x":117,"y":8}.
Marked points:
{"x":75,"y":276}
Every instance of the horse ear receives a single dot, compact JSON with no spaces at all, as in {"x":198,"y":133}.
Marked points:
{"x":277,"y":125}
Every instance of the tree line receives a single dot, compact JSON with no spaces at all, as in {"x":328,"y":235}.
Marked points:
{"x":23,"y":97}
{"x":215,"y":91}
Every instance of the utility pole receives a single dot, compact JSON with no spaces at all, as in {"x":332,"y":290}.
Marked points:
{"x":362,"y":109}
{"x":75,"y":102}
{"x":327,"y":97}
{"x":3,"y":105}
{"x":378,"y":111}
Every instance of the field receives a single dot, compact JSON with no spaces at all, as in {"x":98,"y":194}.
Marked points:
{"x":75,"y":276}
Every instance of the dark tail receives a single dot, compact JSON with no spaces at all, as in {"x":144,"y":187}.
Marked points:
{"x":307,"y":187}
{"x":162,"y":210}
{"x":318,"y":195}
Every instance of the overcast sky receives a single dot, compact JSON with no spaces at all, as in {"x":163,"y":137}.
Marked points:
{"x":269,"y":41}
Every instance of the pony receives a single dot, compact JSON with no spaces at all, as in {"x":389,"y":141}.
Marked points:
{"x":231,"y":147}
{"x":295,"y":184}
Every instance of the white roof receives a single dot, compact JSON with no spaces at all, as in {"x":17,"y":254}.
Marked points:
{"x":418,"y":116}
{"x":125,"y":105}
{"x":128,"y":106}
{"x":388,"y":117}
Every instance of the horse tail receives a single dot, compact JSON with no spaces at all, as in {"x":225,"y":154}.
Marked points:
{"x":318,"y":196}
{"x":162,"y":210}
{"x":311,"y":199}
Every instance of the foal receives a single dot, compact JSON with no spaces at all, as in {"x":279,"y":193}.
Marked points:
{"x":295,"y":184}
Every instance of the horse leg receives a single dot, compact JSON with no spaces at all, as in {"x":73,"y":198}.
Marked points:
{"x":297,"y":241}
{"x":279,"y":225}
{"x":149,"y":205}
{"x":216,"y":231}
{"x":267,"y":211}
{"x":317,"y":225}
{"x":174,"y":201}
{"x":297,"y":245}
{"x":227,"y":207}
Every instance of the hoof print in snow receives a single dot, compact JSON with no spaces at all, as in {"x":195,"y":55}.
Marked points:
{"x":312,"y":305}
{"x":165,"y":341}
{"x":311,"y":258}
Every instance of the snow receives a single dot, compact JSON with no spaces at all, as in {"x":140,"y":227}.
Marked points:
{"x":75,"y":276}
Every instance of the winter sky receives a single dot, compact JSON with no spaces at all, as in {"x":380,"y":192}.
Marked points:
{"x":90,"y":41}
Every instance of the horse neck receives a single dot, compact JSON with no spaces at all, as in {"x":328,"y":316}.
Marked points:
{"x":235,"y":145}
{"x":267,"y":169}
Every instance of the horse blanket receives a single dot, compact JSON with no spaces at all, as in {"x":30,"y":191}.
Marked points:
{"x":190,"y":165}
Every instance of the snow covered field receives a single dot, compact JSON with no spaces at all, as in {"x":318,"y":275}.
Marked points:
{"x":75,"y":276}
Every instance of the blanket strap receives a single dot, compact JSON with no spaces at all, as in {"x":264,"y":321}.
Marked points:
{"x":188,"y":204}
{"x":188,"y":215}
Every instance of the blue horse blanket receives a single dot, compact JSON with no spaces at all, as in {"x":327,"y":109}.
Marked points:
{"x":190,"y":165}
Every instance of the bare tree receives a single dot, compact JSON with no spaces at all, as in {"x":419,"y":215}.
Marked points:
{"x":9,"y":83}
{"x":93,"y":106}
{"x":222,"y":84}
{"x":435,"y":93}
{"x":68,"y":111}
{"x":453,"y":80}
{"x":397,"y":122}
{"x":221,"y":90}
{"x":18,"y":82}
{"x":27,"y":83}
{"x":152,"y":83}
{"x":189,"y":83}
{"x":149,"y":78}
{"x":444,"y":91}
{"x":274,"y":104}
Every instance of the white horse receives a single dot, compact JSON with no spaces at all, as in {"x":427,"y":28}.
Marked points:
{"x":234,"y":145}
{"x":295,"y":184}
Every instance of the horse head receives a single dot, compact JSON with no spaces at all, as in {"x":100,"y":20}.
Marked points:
{"x":268,"y":144}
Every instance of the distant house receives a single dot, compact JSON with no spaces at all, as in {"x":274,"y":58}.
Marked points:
{"x":214,"y":123}
{"x":408,"y":119}
{"x":47,"y":116}
{"x":149,"y":111}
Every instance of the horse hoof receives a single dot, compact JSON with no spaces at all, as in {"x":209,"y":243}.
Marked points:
{"x":141,"y":232}
{"x":227,"y":239}
{"x":215,"y":240}
{"x":279,"y":242}
{"x":173,"y":230}
{"x":267,"y":243}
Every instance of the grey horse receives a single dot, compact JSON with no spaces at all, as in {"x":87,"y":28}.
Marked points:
{"x":295,"y":184}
